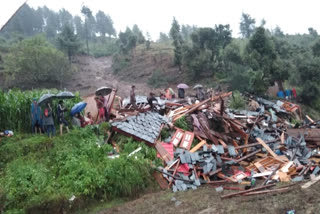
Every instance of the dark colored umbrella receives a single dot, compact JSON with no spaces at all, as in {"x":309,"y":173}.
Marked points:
{"x":77,"y":108}
{"x":65,"y":95}
{"x":182,"y":85}
{"x":46,"y":98}
{"x":104,"y":91}
{"x":197,"y":86}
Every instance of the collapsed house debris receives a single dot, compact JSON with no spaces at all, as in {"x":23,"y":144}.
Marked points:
{"x":226,"y":146}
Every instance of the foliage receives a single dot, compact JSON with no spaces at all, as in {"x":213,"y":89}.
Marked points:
{"x":15,"y":108}
{"x":237,"y":101}
{"x":68,"y":41}
{"x":157,"y":79}
{"x":33,"y":61}
{"x":309,"y":74}
{"x":120,"y":62}
{"x":182,"y":123}
{"x":138,"y":33}
{"x":105,"y":24}
{"x":316,"y":49}
{"x":70,"y":165}
{"x":177,"y":42}
{"x":163,"y":37}
{"x":205,"y":54}
{"x":103,"y":47}
{"x":247,"y":25}
{"x":261,"y":56}
{"x":127,"y":41}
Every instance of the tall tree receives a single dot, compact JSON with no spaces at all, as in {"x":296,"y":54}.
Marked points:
{"x":68,"y":41}
{"x":163,"y":37}
{"x":138,"y":33}
{"x":313,"y":32}
{"x":88,"y":16}
{"x":102,"y":20}
{"x":177,"y":42}
{"x":104,"y":24}
{"x":247,"y":25}
{"x":278,"y":32}
{"x":262,"y":58}
{"x":79,"y":27}
{"x":65,"y":18}
{"x":127,"y":41}
{"x":52,"y":22}
{"x":186,"y":31}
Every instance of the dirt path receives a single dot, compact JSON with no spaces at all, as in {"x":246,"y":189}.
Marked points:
{"x":206,"y":200}
{"x":97,"y":72}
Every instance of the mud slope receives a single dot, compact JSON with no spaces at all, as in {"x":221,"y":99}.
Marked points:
{"x":93,"y":73}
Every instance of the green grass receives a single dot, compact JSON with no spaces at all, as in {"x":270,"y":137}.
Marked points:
{"x":38,"y":173}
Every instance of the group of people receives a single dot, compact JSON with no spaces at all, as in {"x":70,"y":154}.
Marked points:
{"x":44,"y":121}
{"x":169,"y":94}
{"x":287,"y":94}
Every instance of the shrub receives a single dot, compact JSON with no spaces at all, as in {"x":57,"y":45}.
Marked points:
{"x":182,"y":123}
{"x":119,"y":63}
{"x":157,"y":79}
{"x":74,"y":164}
{"x":35,"y":61}
{"x":237,"y":101}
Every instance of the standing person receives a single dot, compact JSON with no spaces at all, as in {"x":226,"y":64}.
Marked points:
{"x":133,"y":96}
{"x":48,"y":121}
{"x":168,"y":94}
{"x":36,"y":117}
{"x":181,"y":93}
{"x":173,"y":95}
{"x":294,"y":93}
{"x":200,"y":94}
{"x":150,"y":99}
{"x":105,"y":106}
{"x":62,"y":122}
{"x":288,"y":93}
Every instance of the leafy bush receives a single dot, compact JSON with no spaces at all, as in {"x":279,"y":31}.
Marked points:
{"x":182,"y":123}
{"x":119,"y":63}
{"x":35,"y":61}
{"x":103,"y":48}
{"x":237,"y":101}
{"x":15,"y":108}
{"x":157,"y":79}
{"x":74,"y":164}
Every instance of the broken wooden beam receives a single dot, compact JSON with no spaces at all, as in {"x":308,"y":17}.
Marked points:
{"x":246,"y":191}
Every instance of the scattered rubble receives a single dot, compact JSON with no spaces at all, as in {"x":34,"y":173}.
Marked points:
{"x":256,"y":147}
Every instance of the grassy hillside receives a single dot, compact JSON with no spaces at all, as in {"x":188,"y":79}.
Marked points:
{"x":38,"y":174}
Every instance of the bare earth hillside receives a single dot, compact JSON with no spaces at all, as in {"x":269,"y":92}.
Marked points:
{"x":96,"y":72}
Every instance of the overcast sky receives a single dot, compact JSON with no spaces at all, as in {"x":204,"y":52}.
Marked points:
{"x":293,"y":16}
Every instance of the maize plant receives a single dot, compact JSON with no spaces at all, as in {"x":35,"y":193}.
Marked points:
{"x":15,"y":108}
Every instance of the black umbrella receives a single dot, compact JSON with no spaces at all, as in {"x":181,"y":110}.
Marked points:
{"x":65,"y":95}
{"x":46,"y":98}
{"x":104,"y":91}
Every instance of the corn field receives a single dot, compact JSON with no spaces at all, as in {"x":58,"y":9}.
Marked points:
{"x":15,"y":108}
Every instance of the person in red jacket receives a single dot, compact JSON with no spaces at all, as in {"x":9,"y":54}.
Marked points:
{"x":294,"y":93}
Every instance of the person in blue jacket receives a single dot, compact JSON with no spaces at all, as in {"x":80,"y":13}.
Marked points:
{"x":288,"y":93}
{"x":36,"y":117}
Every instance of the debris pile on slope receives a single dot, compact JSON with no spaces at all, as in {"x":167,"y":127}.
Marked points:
{"x":226,"y":146}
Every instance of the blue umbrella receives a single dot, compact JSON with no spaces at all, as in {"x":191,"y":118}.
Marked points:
{"x":77,"y":108}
